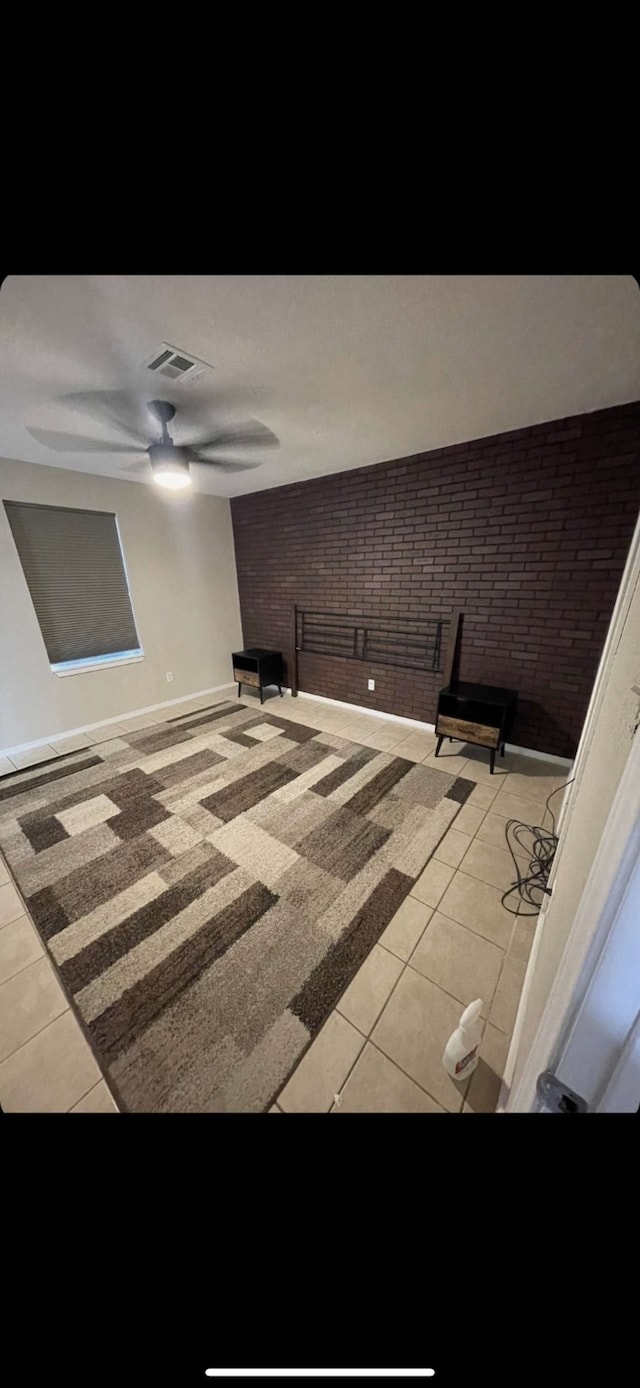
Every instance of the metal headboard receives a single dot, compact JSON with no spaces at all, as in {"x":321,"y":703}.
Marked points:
{"x":409,"y":643}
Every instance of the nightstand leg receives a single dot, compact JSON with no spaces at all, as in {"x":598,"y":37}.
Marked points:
{"x":239,"y":688}
{"x":492,"y":755}
{"x":502,"y":749}
{"x":280,"y":688}
{"x":261,"y":698}
{"x":440,"y":742}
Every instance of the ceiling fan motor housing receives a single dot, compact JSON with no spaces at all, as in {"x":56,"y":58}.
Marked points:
{"x":168,"y":458}
{"x":163,"y":410}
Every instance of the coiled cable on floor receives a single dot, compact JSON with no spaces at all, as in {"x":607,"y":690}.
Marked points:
{"x":541,"y":850}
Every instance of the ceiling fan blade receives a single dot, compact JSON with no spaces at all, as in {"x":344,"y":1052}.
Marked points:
{"x":76,"y":443}
{"x":118,"y":408}
{"x":225,"y":465}
{"x":140,"y":464}
{"x":249,"y":433}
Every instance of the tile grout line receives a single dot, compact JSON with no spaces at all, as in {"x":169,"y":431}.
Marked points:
{"x":90,"y":1090}
{"x":35,"y":1033}
{"x":368,"y":1036}
{"x":491,"y":810}
{"x":22,"y":969}
{"x":351,"y":1067}
{"x":407,"y":964}
{"x":346,"y":1019}
{"x":504,"y":952}
{"x":376,"y":1047}
{"x":379,"y":1018}
{"x":15,"y":918}
{"x":415,"y":1081}
{"x":467,"y":927}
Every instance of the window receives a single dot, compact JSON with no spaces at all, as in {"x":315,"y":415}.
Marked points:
{"x":74,"y":567}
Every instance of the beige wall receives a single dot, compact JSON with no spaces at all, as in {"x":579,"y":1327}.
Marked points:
{"x":181,"y":567}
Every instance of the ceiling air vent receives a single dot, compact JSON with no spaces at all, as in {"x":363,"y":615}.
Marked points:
{"x":178,"y":366}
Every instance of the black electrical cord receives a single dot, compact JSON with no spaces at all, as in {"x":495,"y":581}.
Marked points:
{"x":541,"y":853}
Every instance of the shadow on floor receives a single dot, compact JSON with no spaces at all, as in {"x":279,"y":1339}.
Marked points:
{"x":484,"y":1089}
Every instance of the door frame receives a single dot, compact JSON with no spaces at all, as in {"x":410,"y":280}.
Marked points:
{"x":621,"y":1093}
{"x":604,"y":889}
{"x":591,"y":937}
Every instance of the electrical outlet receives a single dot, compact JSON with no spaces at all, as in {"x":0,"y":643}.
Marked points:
{"x":169,"y":676}
{"x":371,"y":684}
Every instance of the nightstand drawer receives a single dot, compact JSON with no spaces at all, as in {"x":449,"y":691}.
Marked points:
{"x":467,"y":732}
{"x":247,"y":677}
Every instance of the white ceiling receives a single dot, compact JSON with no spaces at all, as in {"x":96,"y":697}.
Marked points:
{"x":346,"y":370}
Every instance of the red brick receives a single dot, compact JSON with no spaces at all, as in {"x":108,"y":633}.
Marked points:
{"x":554,"y":504}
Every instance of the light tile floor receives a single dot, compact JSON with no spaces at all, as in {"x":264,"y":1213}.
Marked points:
{"x":380,"y":1050}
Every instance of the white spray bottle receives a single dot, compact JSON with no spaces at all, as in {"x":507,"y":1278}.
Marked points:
{"x":461,"y":1051}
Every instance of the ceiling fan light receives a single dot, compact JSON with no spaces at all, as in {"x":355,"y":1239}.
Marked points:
{"x":170,"y":467}
{"x":172,"y":479}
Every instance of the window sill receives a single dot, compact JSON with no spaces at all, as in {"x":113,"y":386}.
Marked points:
{"x":84,"y":667}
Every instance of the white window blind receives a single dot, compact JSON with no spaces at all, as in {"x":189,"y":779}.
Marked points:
{"x":73,"y":564}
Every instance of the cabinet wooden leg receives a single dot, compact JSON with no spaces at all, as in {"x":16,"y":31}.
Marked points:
{"x":440,"y":742}
{"x":502,"y":749}
{"x":492,"y":755}
{"x":239,"y":688}
{"x":261,"y":698}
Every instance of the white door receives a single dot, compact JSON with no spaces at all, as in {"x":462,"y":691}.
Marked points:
{"x":579,"y":1014}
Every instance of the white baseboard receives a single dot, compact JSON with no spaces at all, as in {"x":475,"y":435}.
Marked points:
{"x":374,"y":712}
{"x":565,"y":762}
{"x":105,"y":722}
{"x":430,"y":727}
{"x":231,"y":684}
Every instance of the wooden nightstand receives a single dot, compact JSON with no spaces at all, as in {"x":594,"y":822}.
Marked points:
{"x":258,"y":668}
{"x":478,"y":713}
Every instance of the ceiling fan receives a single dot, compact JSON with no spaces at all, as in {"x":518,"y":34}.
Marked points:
{"x":169,"y":462}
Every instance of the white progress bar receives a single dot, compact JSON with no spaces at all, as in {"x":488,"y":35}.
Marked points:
{"x":320,"y":1373}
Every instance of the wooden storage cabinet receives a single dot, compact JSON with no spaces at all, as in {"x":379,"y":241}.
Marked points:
{"x":257,"y":668}
{"x":482,"y":714}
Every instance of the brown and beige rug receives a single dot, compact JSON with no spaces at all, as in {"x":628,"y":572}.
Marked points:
{"x":208,"y":888}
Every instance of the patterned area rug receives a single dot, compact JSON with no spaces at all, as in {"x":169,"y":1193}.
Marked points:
{"x":208,"y":887}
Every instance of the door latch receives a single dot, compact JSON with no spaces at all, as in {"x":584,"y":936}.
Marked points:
{"x":556,"y":1097}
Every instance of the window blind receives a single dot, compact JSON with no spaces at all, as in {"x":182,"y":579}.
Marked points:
{"x":74,"y":568}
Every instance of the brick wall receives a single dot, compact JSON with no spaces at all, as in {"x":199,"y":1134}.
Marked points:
{"x":527,"y":532}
